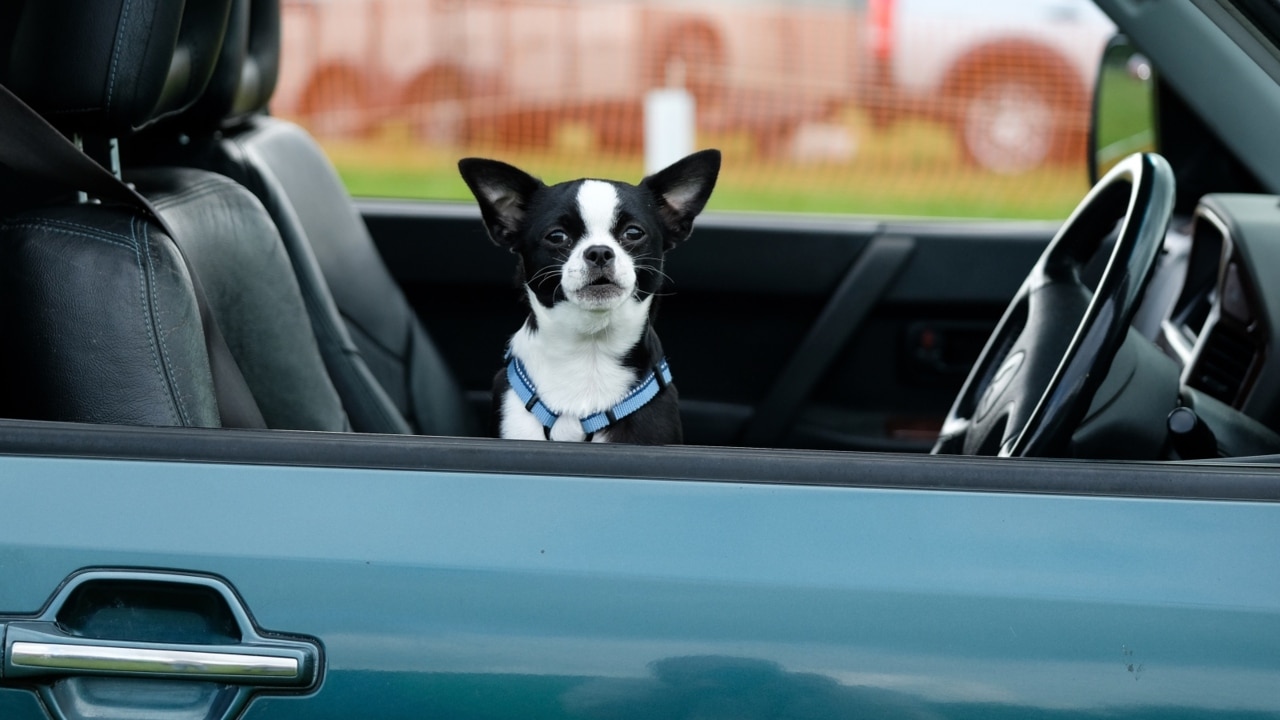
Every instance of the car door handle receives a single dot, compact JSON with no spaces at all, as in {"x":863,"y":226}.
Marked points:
{"x":41,"y":649}
{"x":134,"y":643}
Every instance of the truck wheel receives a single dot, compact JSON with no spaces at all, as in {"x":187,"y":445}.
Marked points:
{"x":436,"y":105}
{"x":695,"y":54}
{"x":1008,"y":125}
{"x":333,"y":106}
{"x":1016,"y":107}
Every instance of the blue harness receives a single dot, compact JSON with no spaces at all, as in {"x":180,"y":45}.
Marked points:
{"x":639,"y":396}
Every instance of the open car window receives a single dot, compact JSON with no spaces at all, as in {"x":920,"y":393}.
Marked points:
{"x":882,"y":107}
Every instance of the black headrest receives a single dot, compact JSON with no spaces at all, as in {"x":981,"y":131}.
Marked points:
{"x":245,"y":76}
{"x":109,"y":67}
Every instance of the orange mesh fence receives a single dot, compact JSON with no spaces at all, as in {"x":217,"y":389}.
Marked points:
{"x":865,"y":106}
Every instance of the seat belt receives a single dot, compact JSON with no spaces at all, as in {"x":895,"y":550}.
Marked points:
{"x":33,"y":148}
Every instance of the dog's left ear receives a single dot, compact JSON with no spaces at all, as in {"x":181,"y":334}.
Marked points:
{"x":683,"y":189}
{"x":503,"y":193}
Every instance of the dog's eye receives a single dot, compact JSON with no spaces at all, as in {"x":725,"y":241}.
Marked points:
{"x":633,"y":233}
{"x":557,"y":237}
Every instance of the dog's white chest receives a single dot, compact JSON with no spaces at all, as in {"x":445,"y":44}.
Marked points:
{"x":575,"y":374}
{"x":520,"y":424}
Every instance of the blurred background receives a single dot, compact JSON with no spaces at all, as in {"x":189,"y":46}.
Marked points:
{"x":944,"y":108}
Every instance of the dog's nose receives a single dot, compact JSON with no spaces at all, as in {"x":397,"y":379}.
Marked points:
{"x":598,"y":255}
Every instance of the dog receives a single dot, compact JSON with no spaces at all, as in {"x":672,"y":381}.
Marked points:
{"x":587,"y":364}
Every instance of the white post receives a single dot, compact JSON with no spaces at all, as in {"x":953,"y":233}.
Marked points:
{"x":669,"y":122}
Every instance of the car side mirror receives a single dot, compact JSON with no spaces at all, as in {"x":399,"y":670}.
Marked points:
{"x":1124,"y":102}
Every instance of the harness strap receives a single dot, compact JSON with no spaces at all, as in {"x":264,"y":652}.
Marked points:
{"x":639,"y":396}
{"x":520,"y":382}
{"x":653,"y":383}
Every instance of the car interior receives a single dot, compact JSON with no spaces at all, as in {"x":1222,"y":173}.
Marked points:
{"x":289,"y":338}
{"x":225,"y":278}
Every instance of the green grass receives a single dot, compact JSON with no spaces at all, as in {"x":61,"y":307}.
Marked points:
{"x":913,"y":169}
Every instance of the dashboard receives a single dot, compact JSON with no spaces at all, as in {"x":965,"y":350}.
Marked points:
{"x":1220,"y":327}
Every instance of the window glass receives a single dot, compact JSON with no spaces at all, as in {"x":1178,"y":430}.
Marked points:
{"x":900,"y":107}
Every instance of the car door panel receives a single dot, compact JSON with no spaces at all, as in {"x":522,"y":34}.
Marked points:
{"x":611,"y":581}
{"x":806,"y":332}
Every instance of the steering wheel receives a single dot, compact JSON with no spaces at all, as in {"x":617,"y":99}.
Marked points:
{"x":1035,"y":379}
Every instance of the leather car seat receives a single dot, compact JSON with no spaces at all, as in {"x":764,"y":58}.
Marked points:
{"x":107,"y":316}
{"x":390,"y":375}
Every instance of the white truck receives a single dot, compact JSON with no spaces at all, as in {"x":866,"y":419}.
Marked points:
{"x":517,"y":71}
{"x":1013,"y":77}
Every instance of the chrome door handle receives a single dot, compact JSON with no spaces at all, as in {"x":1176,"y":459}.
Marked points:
{"x":109,"y":640}
{"x":40,"y":649}
{"x":80,"y":635}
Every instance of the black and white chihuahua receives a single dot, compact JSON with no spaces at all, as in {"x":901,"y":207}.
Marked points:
{"x":587,"y":364}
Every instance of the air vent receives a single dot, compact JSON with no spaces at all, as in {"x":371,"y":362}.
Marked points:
{"x":1224,"y":363}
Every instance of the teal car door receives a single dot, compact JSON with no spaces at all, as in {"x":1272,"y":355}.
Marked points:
{"x":408,"y":578}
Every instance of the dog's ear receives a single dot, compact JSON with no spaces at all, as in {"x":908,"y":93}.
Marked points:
{"x":684,"y":188}
{"x":503,"y":192}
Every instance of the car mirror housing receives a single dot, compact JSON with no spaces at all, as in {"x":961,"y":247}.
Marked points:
{"x":1124,"y":102}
